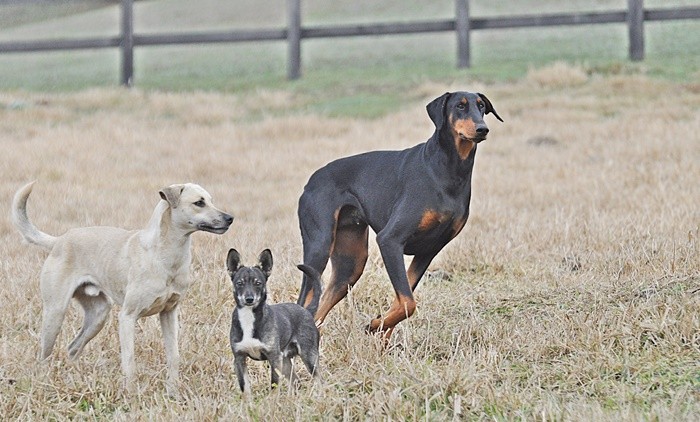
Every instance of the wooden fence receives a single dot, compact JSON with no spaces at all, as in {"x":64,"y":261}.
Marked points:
{"x":634,"y":16}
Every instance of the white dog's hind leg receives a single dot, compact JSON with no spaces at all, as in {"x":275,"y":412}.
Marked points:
{"x":54,"y":311}
{"x":96,"y":308}
{"x":52,"y":318}
{"x":169,"y":327}
{"x":56,"y":294}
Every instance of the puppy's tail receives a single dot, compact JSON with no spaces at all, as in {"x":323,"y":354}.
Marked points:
{"x":309,"y":299}
{"x":21,"y":221}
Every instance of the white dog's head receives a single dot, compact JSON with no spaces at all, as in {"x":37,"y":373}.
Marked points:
{"x":192,"y":209}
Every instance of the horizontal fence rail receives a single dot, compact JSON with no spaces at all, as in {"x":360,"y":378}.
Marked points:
{"x":634,"y":17}
{"x":211,"y":37}
{"x":58,"y":44}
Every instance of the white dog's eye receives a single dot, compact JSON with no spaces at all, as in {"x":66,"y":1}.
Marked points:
{"x":200,"y":203}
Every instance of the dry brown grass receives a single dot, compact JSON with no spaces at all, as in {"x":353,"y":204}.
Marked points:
{"x":573,"y":292}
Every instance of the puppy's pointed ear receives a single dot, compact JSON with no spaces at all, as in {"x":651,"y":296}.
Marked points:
{"x":436,"y":110}
{"x":265,"y":264}
{"x":233,"y":261}
{"x":489,"y":106}
{"x":172,"y":194}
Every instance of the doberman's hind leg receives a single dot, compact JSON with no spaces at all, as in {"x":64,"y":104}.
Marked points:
{"x":348,"y":256}
{"x":317,"y":226}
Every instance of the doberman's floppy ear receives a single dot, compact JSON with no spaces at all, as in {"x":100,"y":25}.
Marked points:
{"x":489,"y":106}
{"x":233,"y":261}
{"x":436,"y":110}
{"x":265,"y":260}
{"x":172,"y":194}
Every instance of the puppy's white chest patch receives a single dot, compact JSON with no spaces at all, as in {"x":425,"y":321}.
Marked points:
{"x":248,"y":344}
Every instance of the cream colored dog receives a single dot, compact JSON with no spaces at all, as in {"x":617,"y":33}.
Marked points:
{"x":145,"y":271}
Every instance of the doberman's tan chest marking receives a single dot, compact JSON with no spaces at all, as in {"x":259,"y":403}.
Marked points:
{"x":435,"y":222}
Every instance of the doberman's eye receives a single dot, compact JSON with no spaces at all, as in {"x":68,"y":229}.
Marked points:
{"x":461,"y":106}
{"x":200,"y":203}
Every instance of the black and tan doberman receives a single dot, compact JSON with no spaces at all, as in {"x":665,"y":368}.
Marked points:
{"x":416,"y":200}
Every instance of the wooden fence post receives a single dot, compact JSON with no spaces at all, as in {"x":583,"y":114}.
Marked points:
{"x":127,"y":43}
{"x":635,"y":25}
{"x":462,"y":28}
{"x":294,"y":39}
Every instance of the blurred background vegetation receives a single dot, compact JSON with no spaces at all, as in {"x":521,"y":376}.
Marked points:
{"x":361,"y":76}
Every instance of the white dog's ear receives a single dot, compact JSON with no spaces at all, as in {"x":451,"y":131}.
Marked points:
{"x":233,"y":261}
{"x":265,"y":259}
{"x":172,"y":194}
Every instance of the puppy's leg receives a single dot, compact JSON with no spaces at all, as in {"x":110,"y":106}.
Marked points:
{"x":277,"y":365}
{"x":310,"y":359}
{"x":242,"y":373}
{"x":168,"y":324}
{"x":96,"y":310}
{"x":127,"y":327}
{"x":288,"y":372}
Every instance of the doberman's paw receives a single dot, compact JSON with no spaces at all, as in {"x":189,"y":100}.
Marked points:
{"x":375,"y":325}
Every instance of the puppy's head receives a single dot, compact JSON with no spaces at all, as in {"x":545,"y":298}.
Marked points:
{"x":249,"y":283}
{"x":193,"y":210}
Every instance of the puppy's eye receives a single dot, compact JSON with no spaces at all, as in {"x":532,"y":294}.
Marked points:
{"x":461,"y":106}
{"x":199,"y":203}
{"x":481,"y":106}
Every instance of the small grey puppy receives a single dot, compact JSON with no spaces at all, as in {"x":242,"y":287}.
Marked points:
{"x":275,"y":333}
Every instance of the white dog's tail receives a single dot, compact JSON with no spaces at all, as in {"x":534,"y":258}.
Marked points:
{"x":21,"y":221}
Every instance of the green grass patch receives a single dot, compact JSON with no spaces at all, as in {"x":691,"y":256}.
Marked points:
{"x":18,"y":13}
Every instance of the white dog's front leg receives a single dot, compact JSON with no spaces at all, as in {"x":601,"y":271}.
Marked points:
{"x":169,"y":326}
{"x":127,"y":326}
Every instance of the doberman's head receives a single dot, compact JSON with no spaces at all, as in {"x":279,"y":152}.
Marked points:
{"x":249,"y":283}
{"x":459,"y":118}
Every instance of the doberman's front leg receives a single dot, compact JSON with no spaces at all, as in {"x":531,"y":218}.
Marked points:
{"x":418,"y":266}
{"x":404,"y":304}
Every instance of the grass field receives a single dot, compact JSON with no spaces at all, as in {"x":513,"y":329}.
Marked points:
{"x":573,"y":293}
